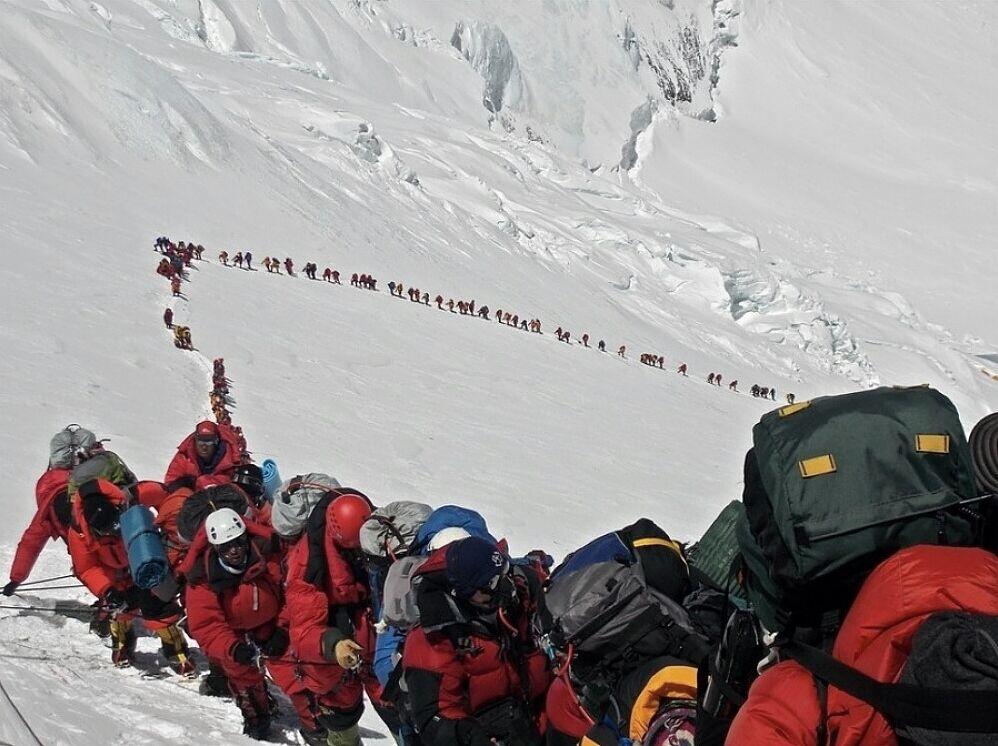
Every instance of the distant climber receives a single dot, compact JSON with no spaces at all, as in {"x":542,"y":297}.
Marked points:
{"x":182,"y":337}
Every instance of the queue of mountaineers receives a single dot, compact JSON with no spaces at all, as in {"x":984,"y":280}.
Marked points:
{"x":179,"y":257}
{"x":849,"y":598}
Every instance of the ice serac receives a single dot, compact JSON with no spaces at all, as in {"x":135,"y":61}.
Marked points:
{"x":641,"y":118}
{"x":488,"y":51}
{"x":777,"y":308}
{"x":679,"y":50}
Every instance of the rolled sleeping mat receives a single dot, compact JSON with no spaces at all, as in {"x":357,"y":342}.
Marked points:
{"x":984,"y":454}
{"x":271,"y":478}
{"x":146,"y":556}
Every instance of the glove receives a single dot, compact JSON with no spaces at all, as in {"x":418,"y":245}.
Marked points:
{"x":8,"y":590}
{"x":114,"y":600}
{"x":244,"y":653}
{"x":470,"y":733}
{"x":277,"y":644}
{"x":348,"y":654}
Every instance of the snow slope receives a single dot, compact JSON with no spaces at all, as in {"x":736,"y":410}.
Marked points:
{"x":556,"y":160}
{"x":856,"y":138}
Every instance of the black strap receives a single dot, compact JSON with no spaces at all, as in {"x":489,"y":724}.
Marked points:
{"x":948,"y":710}
{"x":717,"y":680}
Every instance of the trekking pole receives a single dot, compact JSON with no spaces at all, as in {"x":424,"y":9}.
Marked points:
{"x":53,"y":587}
{"x":56,"y":609}
{"x":45,"y":580}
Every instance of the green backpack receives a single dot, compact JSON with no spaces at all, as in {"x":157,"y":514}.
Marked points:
{"x":715,"y":559}
{"x":835,"y":485}
{"x":102,"y":465}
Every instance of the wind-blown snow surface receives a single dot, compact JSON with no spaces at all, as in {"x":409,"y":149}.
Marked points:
{"x":553,"y":159}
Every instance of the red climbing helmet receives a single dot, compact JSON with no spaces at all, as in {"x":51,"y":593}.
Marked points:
{"x":345,"y":516}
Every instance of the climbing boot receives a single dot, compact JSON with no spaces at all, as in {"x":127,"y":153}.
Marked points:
{"x":122,"y":643}
{"x":176,"y":652}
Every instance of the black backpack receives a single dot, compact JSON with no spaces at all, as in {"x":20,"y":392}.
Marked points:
{"x":198,"y":506}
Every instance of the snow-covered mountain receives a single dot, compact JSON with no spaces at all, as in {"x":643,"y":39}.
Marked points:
{"x":796,"y":194}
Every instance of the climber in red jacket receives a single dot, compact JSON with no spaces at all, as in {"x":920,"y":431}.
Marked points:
{"x":52,"y":521}
{"x":206,"y":456}
{"x":332,"y":625}
{"x":100,"y":561}
{"x":234,"y":600}
{"x":470,"y":599}
{"x":783,"y":708}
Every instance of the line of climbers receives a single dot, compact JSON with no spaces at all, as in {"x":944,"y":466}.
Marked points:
{"x":857,"y":574}
{"x":465,"y":308}
{"x":177,"y":258}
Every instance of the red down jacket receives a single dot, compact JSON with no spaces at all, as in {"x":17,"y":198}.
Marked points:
{"x":187,"y":470}
{"x":456,"y":670}
{"x":223,"y":608}
{"x":100,"y":562}
{"x":44,"y":525}
{"x":324,"y":590}
{"x":875,"y":638}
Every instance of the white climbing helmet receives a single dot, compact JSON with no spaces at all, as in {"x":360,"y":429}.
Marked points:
{"x":446,"y":536}
{"x":224,"y":525}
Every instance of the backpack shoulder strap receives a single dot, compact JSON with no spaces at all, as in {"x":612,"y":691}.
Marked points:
{"x":949,"y":710}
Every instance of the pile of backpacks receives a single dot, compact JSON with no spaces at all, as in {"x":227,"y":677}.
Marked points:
{"x":849,"y":598}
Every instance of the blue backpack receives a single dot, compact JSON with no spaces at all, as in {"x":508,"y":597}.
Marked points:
{"x":451,"y":516}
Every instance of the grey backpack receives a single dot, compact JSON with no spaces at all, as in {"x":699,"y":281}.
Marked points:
{"x":391,"y":530}
{"x":605,"y":606}
{"x":398,"y":607}
{"x":295,"y":499}
{"x":69,"y":446}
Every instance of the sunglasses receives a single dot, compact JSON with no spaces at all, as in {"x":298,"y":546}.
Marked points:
{"x":232,"y":547}
{"x":493,"y":584}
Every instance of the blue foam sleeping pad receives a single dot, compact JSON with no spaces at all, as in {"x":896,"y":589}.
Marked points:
{"x":271,"y":478}
{"x":146,"y":556}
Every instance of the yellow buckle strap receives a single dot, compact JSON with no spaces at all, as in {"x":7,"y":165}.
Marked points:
{"x":816,"y":466}
{"x":793,"y":408}
{"x":931,"y":443}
